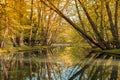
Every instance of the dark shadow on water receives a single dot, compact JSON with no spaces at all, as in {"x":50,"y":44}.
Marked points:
{"x":98,"y":66}
{"x":42,"y":65}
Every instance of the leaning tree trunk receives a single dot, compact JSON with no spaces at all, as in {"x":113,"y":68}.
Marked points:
{"x":99,"y":41}
{"x":76,"y":27}
{"x":113,"y":27}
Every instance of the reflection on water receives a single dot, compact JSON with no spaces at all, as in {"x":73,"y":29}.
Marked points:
{"x":59,"y":64}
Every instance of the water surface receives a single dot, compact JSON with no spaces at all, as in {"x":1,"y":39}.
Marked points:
{"x":63,"y":63}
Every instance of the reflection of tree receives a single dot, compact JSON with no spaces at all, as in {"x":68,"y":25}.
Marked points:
{"x":41,"y":65}
{"x":11,"y":66}
{"x":33,"y":65}
{"x":100,"y":66}
{"x":49,"y":69}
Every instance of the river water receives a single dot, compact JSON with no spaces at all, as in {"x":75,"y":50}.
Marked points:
{"x":62,"y":63}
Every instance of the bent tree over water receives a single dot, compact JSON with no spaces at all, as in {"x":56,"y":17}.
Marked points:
{"x":96,"y":21}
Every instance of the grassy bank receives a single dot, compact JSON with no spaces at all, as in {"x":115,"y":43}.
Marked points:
{"x":110,"y":52}
{"x":25,"y":48}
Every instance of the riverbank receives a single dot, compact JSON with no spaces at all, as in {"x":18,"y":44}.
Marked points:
{"x":34,"y":48}
{"x":18,"y":49}
{"x":109,"y":52}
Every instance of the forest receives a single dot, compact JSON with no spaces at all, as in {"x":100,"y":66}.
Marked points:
{"x":30,"y":23}
{"x":44,"y":22}
{"x":51,"y":39}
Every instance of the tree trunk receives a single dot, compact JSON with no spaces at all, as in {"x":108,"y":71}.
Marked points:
{"x":5,"y":33}
{"x":13,"y":39}
{"x":21,"y":43}
{"x":114,"y":28}
{"x":31,"y":20}
{"x":94,"y":27}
